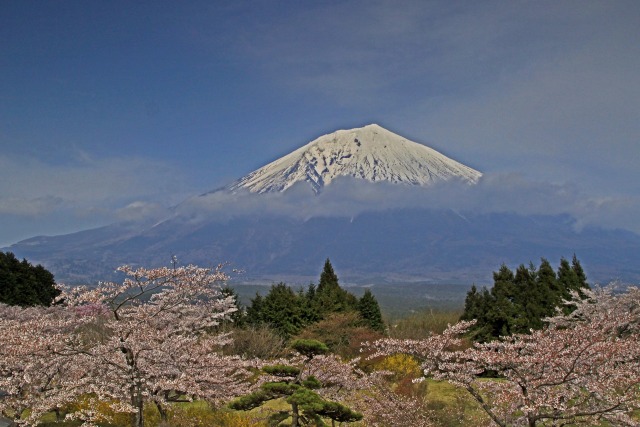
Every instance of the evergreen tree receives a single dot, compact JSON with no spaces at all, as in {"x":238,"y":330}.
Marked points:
{"x":546,"y":298}
{"x":476,"y":306}
{"x":328,"y":278}
{"x":254,"y":311}
{"x":582,"y":277}
{"x":518,"y":303}
{"x":281,"y":309}
{"x":23,"y":284}
{"x":288,"y":312}
{"x":370,"y":311}
{"x":567,"y":278}
{"x":310,"y":307}
{"x":308,"y":407}
{"x":329,"y":296}
{"x":503,"y":314}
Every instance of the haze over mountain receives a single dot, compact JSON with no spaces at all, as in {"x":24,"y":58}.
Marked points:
{"x":383,"y":208}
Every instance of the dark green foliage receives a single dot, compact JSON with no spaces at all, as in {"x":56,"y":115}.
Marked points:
{"x":518,"y":303}
{"x":330,"y":297}
{"x":288,"y":312}
{"x":23,"y":284}
{"x":370,"y":311}
{"x":282,"y":371}
{"x":328,"y":278}
{"x":282,"y":309}
{"x":309,"y":348}
{"x":306,"y":405}
{"x":312,"y":383}
{"x":339,"y":412}
{"x":254,"y":311}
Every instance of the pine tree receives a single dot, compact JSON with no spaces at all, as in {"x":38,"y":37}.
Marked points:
{"x":328,"y":278}
{"x":282,"y":309}
{"x":582,"y":277}
{"x":519,"y":303}
{"x":254,"y":311}
{"x":547,"y":296}
{"x":502,"y":313}
{"x":567,"y":278}
{"x":370,"y":311}
{"x":308,"y":407}
{"x":472,"y":307}
{"x":330,"y":297}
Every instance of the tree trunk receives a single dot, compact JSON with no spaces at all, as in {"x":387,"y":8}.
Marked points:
{"x":164,"y":416}
{"x":294,"y":415}
{"x":137,"y":417}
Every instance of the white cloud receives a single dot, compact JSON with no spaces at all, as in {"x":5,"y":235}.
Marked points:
{"x":142,"y":211}
{"x":39,"y":197}
{"x":495,"y":193}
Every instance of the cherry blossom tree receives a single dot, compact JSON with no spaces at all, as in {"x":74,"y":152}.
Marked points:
{"x":584,"y":368}
{"x":151,"y":338}
{"x":33,"y":374}
{"x":369,"y":393}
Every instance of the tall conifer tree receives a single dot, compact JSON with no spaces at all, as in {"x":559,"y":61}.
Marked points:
{"x":370,"y":311}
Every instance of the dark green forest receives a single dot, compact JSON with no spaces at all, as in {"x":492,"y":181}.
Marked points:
{"x":289,"y":311}
{"x":23,"y":284}
{"x":520,"y":301}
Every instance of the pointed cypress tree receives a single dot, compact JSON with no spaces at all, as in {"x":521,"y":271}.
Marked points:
{"x":370,"y":311}
{"x":567,"y":278}
{"x":330,"y":297}
{"x":328,"y":278}
{"x":577,"y":269}
{"x":254,"y":311}
{"x":518,"y":303}
{"x":502,"y":311}
{"x":547,"y":296}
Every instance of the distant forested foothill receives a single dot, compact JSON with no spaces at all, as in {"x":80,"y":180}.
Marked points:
{"x":519,"y":302}
{"x":23,"y":284}
{"x":289,"y":311}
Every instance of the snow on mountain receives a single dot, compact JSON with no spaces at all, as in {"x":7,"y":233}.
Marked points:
{"x":370,"y":152}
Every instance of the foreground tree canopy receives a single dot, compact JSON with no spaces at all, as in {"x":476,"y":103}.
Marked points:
{"x":23,"y":284}
{"x":158,"y":337}
{"x":583,"y":368}
{"x":149,"y":339}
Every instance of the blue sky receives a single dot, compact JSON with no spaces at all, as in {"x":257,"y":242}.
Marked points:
{"x":110,"y":110}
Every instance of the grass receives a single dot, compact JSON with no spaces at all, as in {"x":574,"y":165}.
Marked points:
{"x":423,"y":323}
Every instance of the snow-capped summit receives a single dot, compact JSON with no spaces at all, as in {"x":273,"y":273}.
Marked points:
{"x":370,"y":152}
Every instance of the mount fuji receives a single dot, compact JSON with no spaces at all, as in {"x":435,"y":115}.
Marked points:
{"x":374,"y":202}
{"x":371,"y":153}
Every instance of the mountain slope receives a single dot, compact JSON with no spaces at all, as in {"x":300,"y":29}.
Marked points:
{"x":376,"y":247}
{"x":284,"y":235}
{"x":371,"y":153}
